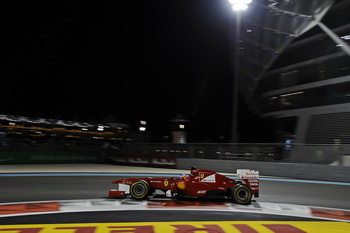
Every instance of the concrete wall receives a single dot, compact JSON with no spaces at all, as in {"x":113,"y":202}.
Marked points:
{"x":292,"y":170}
{"x":343,"y":161}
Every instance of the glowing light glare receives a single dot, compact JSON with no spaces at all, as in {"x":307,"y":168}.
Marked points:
{"x":347,"y":37}
{"x":142,"y":128}
{"x":246,"y":2}
{"x":239,"y":7}
{"x":294,"y":93}
{"x":181,"y":126}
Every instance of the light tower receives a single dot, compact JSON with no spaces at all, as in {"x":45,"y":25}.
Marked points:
{"x":238,"y":6}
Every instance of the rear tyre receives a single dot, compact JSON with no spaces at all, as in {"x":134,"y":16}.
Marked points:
{"x":139,"y":189}
{"x":242,"y":194}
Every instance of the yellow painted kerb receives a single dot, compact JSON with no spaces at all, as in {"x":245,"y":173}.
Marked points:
{"x":183,"y":227}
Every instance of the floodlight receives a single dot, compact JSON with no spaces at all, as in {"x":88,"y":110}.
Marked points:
{"x":239,"y":7}
{"x":240,"y":1}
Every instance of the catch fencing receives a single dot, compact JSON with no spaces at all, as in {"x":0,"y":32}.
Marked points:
{"x":269,"y":152}
{"x":265,"y":152}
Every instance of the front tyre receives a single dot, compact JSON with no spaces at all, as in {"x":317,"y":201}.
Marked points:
{"x":139,"y":189}
{"x":242,"y":194}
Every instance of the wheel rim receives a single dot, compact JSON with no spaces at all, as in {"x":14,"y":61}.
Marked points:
{"x":242,"y":194}
{"x":139,"y":190}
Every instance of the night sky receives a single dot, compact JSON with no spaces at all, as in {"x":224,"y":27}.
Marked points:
{"x":135,"y":60}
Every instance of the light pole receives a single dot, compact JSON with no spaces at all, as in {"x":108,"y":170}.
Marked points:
{"x":238,"y":6}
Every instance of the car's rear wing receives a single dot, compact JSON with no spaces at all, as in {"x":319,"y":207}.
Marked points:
{"x":250,"y":178}
{"x":247,"y":174}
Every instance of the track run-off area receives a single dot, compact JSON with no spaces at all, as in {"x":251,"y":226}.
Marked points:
{"x":73,"y":198}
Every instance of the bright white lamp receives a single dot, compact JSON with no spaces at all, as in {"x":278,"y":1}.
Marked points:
{"x":239,"y":5}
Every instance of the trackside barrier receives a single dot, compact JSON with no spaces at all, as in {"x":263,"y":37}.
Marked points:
{"x":292,"y":170}
{"x":32,"y":157}
{"x":267,"y":152}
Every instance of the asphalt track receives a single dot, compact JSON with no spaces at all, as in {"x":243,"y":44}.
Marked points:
{"x":43,"y":188}
{"x":80,"y":186}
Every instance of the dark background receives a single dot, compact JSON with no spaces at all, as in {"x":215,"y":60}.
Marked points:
{"x":133,"y":60}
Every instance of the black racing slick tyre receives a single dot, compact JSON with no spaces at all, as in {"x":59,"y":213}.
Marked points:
{"x":139,"y":189}
{"x":242,"y":194}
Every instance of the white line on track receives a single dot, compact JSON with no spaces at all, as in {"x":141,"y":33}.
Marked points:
{"x":99,"y":205}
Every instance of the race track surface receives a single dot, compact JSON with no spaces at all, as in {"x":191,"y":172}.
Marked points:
{"x":69,"y":203}
{"x":40,"y":188}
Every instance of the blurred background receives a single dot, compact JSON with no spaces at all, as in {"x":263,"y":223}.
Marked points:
{"x":127,"y":82}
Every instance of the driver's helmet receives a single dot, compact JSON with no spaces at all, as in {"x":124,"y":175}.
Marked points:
{"x":183,"y":176}
{"x":193,"y":168}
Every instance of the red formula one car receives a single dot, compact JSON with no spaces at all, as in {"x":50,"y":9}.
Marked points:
{"x":198,"y":184}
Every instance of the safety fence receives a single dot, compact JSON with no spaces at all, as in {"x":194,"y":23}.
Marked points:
{"x":274,"y":152}
{"x":24,"y":151}
{"x":105,"y":151}
{"x":292,"y":170}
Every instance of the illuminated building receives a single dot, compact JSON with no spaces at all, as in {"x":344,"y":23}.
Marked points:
{"x":295,"y":67}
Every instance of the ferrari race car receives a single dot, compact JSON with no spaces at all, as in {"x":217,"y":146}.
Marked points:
{"x":198,"y":184}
